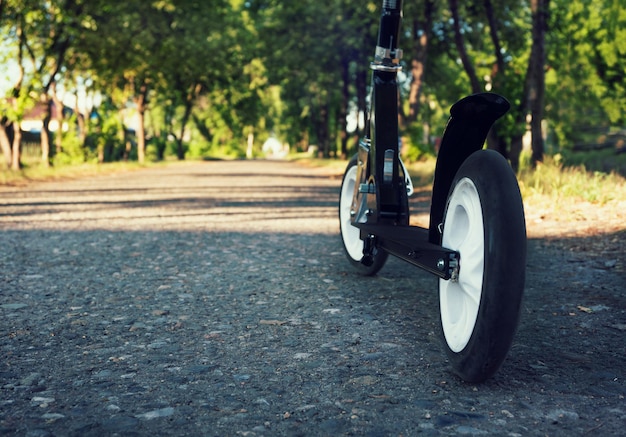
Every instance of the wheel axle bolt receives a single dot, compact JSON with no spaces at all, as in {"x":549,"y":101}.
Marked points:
{"x":441,"y":264}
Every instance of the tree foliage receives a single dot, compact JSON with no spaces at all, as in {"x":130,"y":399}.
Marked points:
{"x":586,"y":68}
{"x":183,"y":77}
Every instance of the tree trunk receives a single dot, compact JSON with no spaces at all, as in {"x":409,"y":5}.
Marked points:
{"x":45,"y":134}
{"x":180,"y":150}
{"x":16,"y":161}
{"x":321,"y":130}
{"x":460,"y":46}
{"x":494,"y":139}
{"x":11,"y":142}
{"x":5,"y":142}
{"x":57,"y":115}
{"x":498,"y":71}
{"x":361,"y":98}
{"x":80,"y":124}
{"x":421,"y":35}
{"x":250,"y":146}
{"x":516,"y":151}
{"x":343,"y":110}
{"x":140,"y":102}
{"x":536,"y":90}
{"x":190,"y":98}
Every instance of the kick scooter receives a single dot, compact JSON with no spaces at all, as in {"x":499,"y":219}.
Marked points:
{"x":476,"y":241}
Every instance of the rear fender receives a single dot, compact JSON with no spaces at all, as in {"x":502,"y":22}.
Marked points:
{"x":466,"y":132}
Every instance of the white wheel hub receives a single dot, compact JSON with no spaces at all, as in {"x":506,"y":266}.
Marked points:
{"x":463,"y":231}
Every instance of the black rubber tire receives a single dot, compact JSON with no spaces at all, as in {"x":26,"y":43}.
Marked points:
{"x":349,"y":234}
{"x":503,"y":266}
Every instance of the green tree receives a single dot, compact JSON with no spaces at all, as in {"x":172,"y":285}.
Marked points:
{"x":13,"y":108}
{"x":304,"y":59}
{"x":189,"y":62}
{"x":420,"y":16}
{"x":123,"y":49}
{"x":586,"y":68}
{"x":42,"y":33}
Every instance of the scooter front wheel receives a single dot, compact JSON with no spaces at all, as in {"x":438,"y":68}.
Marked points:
{"x":484,"y":222}
{"x":350,"y":235}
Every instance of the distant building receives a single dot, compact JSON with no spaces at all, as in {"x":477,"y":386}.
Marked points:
{"x":33,"y":119}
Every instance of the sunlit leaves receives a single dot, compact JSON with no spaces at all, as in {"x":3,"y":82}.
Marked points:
{"x":588,"y":56}
{"x":261,"y":65}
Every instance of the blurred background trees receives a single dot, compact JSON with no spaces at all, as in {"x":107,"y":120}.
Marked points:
{"x":106,"y":80}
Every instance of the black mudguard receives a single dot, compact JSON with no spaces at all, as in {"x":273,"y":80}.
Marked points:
{"x":470,"y":121}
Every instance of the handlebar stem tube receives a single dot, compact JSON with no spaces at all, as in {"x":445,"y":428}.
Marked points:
{"x":384,"y":130}
{"x":389,"y":30}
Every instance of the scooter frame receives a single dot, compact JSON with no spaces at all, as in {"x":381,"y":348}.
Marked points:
{"x":380,"y":201}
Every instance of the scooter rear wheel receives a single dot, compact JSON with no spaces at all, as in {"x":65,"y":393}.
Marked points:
{"x":350,"y":235}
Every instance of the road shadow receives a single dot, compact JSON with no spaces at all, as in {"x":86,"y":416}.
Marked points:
{"x":131,"y":317}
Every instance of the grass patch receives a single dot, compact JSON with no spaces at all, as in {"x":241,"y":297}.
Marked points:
{"x":338,"y":165}
{"x":554,"y":180}
{"x":606,"y":161}
{"x":422,"y":172}
{"x":39,"y":173}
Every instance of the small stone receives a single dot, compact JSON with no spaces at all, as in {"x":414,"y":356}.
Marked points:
{"x":137,"y":326}
{"x":364,"y":380}
{"x":38,"y":433}
{"x":389,"y":345}
{"x":155,"y":414}
{"x":468,"y":430}
{"x":561,"y":415}
{"x":32,"y":276}
{"x":120,"y":425}
{"x":157,"y":345}
{"x":272,"y":322}
{"x":31,"y":379}
{"x":508,"y":414}
{"x":42,"y":400}
{"x":199,"y":369}
{"x":103,"y":374}
{"x":262,"y":401}
{"x":13,"y":306}
{"x":52,"y":416}
{"x":373,"y":356}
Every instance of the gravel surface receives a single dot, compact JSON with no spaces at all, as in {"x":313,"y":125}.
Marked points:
{"x":214,"y":299}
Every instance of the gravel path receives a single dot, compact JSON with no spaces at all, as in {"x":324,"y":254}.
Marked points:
{"x":214,"y":299}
